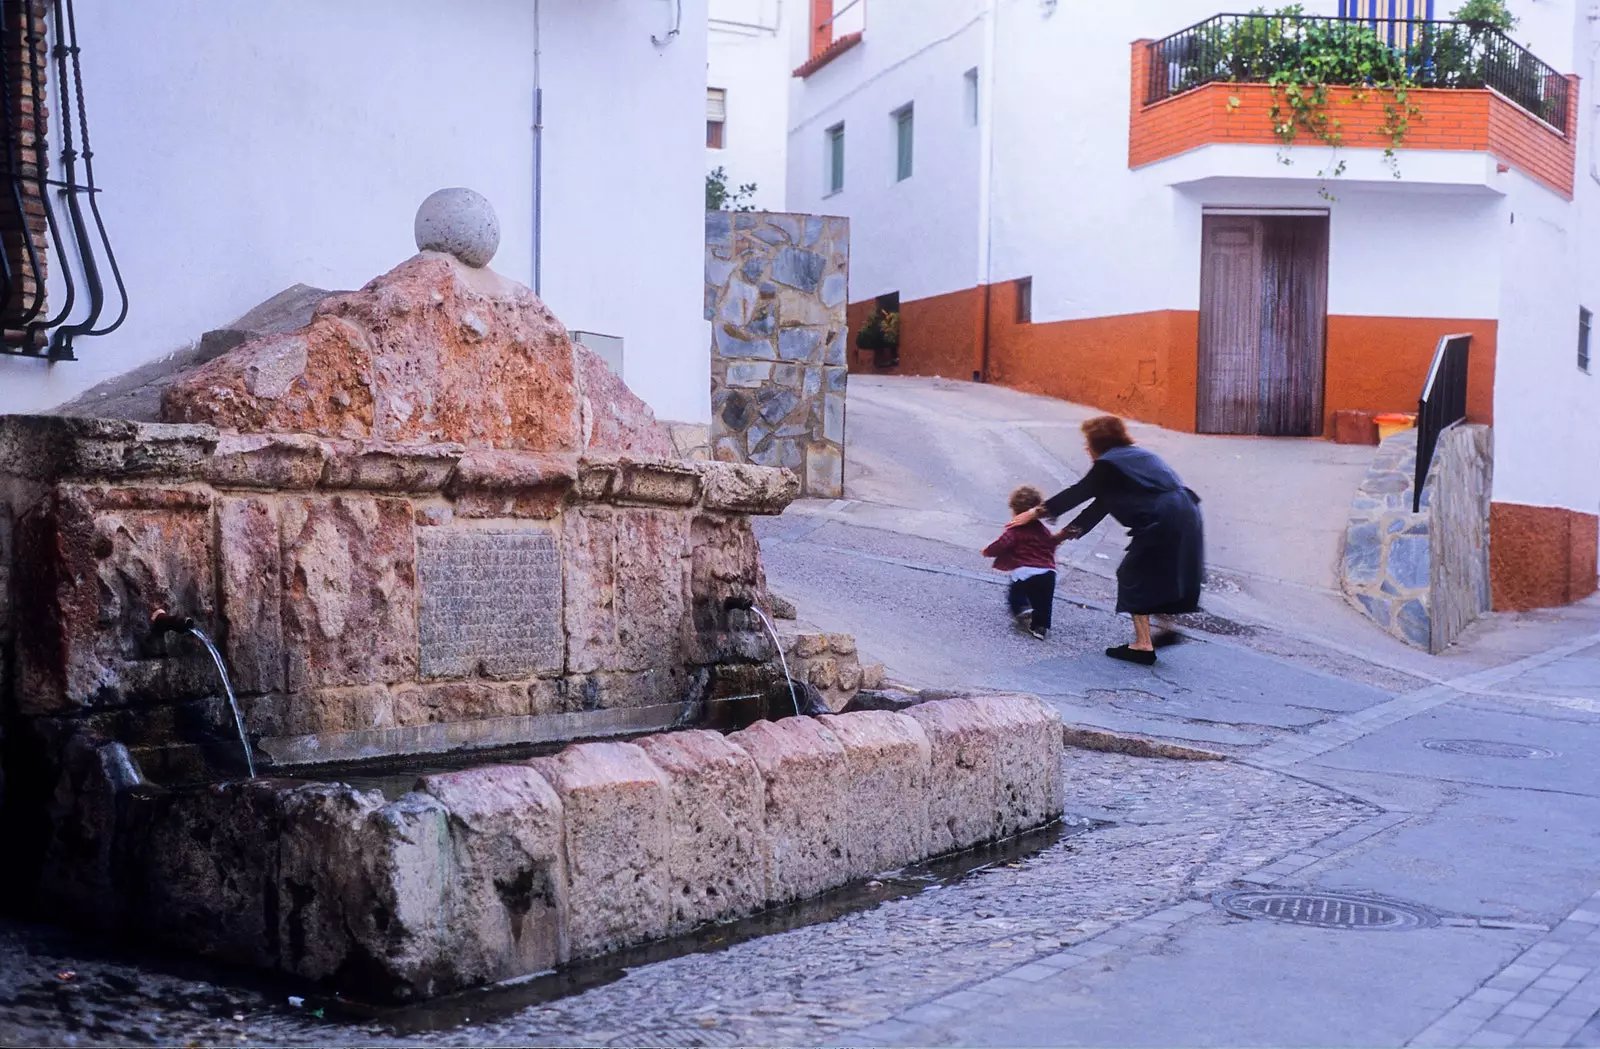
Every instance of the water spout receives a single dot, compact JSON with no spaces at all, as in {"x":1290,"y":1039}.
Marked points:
{"x":744,"y":602}
{"x":164,"y":622}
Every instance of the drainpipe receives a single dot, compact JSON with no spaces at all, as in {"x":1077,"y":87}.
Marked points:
{"x":986,"y":82}
{"x":538,"y":157}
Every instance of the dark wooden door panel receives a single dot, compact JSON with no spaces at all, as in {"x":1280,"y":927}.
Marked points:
{"x":1230,"y":325}
{"x":1294,"y":283}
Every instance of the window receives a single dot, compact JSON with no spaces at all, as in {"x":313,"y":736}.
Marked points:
{"x":1025,"y":300}
{"x":1396,"y":21}
{"x":971,"y":79}
{"x":1585,"y":322}
{"x":716,"y":116}
{"x":902,"y":143}
{"x":836,"y":158}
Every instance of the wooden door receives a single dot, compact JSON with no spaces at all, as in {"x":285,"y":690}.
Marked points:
{"x":1230,"y":325}
{"x":1263,"y":324}
{"x":1294,"y":323}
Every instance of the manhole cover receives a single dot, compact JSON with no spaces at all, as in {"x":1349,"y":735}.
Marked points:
{"x":1488,"y":748}
{"x":1326,"y":910}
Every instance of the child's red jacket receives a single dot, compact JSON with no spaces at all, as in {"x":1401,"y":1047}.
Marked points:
{"x":1027,"y":546}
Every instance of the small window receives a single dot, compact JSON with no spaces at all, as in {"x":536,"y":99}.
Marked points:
{"x":716,"y":116}
{"x":903,"y":129}
{"x":836,"y":158}
{"x":971,"y":79}
{"x":1585,"y":322}
{"x":1025,"y":300}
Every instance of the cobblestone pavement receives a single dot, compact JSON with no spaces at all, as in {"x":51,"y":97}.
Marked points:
{"x":1175,"y":831}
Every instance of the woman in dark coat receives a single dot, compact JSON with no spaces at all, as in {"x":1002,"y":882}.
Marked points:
{"x":1161,"y":572}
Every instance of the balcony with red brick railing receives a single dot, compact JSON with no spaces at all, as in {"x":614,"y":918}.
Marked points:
{"x":1463,"y":88}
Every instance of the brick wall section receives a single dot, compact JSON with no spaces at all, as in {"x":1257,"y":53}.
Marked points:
{"x":28,"y":116}
{"x":1478,"y":121}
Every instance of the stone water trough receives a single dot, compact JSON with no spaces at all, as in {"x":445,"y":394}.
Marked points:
{"x":433,"y":537}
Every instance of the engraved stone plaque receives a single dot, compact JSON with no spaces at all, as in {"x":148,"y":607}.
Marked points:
{"x":490,"y":600}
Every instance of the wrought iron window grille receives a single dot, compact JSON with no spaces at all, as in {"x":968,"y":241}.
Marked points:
{"x":34,"y":37}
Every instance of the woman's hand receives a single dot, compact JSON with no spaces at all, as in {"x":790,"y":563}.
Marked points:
{"x":1026,"y":517}
{"x":1070,"y":533}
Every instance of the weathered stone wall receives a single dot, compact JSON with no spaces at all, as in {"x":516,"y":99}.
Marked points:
{"x":371,"y":600}
{"x":505,"y":870}
{"x":776,"y":289}
{"x":423,"y":520}
{"x":830,"y":663}
{"x":1424,"y":576}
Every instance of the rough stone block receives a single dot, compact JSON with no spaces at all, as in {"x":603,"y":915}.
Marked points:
{"x":398,"y":875}
{"x":740,"y":488}
{"x":453,"y":701}
{"x":652,"y":580}
{"x":252,"y":592}
{"x":489,"y":603}
{"x":824,"y":471}
{"x":962,"y":794}
{"x":206,"y":863}
{"x":350,"y":591}
{"x":724,"y":562}
{"x":509,"y":901}
{"x":660,"y":483}
{"x":274,"y":461}
{"x":1029,"y":786}
{"x":715,"y":854}
{"x":92,"y":564}
{"x":320,"y":823}
{"x":807,"y":786}
{"x":377,"y":466}
{"x":613,"y":419}
{"x":617,"y":831}
{"x":350,"y":709}
{"x":888,"y":759}
{"x":498,"y":483}
{"x":588,"y":549}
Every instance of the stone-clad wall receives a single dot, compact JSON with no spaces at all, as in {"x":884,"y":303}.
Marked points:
{"x":776,"y":288}
{"x":1422,"y":577}
{"x":370,"y":600}
{"x":504,"y":870}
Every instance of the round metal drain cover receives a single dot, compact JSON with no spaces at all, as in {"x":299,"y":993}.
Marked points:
{"x":1326,"y":910}
{"x":1488,"y":748}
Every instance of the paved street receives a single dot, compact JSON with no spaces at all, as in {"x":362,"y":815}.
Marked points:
{"x":1460,"y":788}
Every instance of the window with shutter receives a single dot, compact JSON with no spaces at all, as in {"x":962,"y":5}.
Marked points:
{"x":716,"y":116}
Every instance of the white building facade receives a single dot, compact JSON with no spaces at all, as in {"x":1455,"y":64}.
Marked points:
{"x":1100,"y":222}
{"x":243,"y":148}
{"x":747,"y":95}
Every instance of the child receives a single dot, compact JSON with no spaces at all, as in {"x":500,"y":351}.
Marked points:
{"x":1028,"y":552}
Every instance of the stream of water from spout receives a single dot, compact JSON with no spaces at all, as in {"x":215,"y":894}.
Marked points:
{"x":233,"y":703}
{"x":778,"y":644}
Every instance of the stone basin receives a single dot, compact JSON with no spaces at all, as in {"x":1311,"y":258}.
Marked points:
{"x":502,"y":870}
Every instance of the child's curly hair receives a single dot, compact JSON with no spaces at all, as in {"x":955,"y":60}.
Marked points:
{"x":1025,"y":498}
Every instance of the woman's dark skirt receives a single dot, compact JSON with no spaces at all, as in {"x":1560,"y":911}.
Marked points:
{"x":1165,"y":562}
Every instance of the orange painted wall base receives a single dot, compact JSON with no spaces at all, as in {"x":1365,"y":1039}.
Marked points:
{"x":1145,"y":366}
{"x":1540,"y":556}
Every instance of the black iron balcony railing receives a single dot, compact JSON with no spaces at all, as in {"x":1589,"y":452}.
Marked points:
{"x":1261,"y":48}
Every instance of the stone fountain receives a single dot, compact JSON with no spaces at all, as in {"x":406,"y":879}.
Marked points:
{"x":428,"y":531}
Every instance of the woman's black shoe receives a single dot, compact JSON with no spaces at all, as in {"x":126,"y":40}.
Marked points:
{"x":1132,"y":655}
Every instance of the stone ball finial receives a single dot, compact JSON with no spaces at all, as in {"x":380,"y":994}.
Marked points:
{"x":459,"y":222}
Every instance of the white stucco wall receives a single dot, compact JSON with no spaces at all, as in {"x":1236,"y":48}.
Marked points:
{"x":748,"y":57}
{"x":247,"y":147}
{"x":918,"y":236}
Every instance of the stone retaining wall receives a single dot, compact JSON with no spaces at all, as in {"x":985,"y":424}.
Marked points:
{"x":506,"y":870}
{"x":1422,"y":577}
{"x":776,"y":288}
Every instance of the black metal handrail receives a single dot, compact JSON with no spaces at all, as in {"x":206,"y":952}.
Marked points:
{"x":26,"y":190}
{"x":1256,"y":48}
{"x":1443,"y":403}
